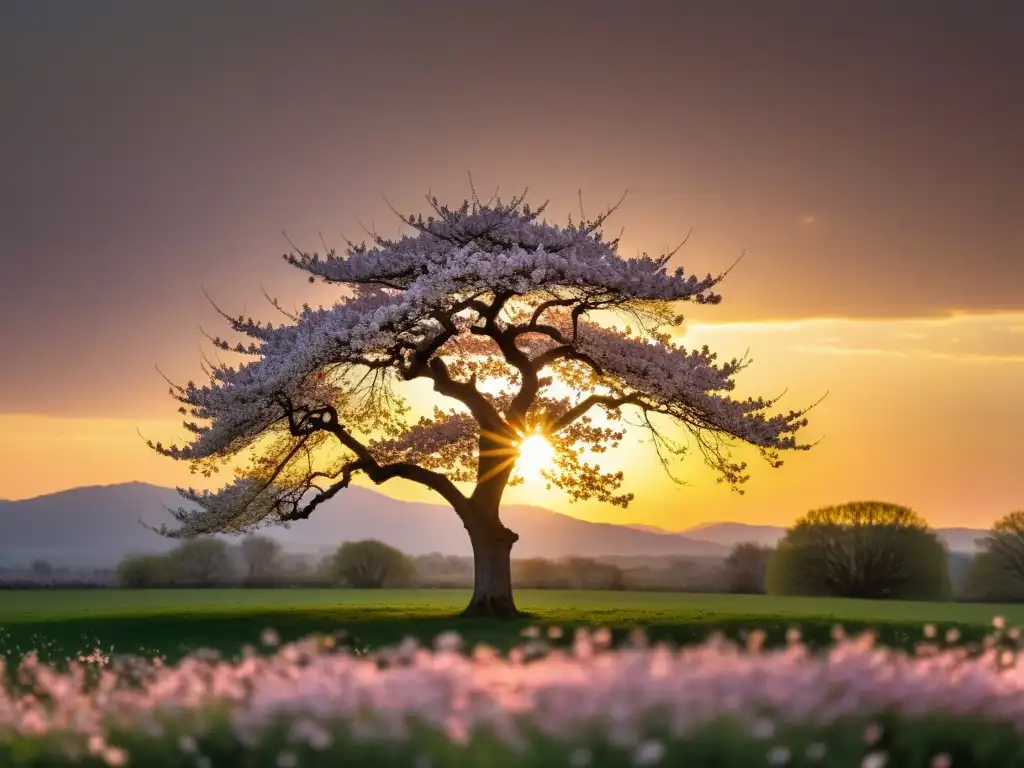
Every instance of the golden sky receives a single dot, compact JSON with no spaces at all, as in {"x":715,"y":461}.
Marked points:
{"x":923,"y":412}
{"x":867,"y":156}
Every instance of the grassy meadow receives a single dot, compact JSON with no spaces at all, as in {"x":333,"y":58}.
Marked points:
{"x":172,"y":623}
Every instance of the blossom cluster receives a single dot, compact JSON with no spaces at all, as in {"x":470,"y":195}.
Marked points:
{"x":507,"y":248}
{"x":688,"y":384}
{"x":643,"y":699}
{"x":446,"y":441}
{"x":411,"y":283}
{"x":470,"y":297}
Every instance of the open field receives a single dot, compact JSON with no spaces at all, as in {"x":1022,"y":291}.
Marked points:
{"x":172,"y":623}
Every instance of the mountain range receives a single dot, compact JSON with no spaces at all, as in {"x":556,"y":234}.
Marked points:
{"x":96,"y":526}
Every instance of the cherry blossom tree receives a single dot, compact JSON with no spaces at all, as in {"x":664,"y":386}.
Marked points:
{"x":527,"y":327}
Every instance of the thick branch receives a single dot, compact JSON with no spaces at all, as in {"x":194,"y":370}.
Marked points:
{"x":505,"y":339}
{"x":530,"y":386}
{"x":566,"y":352}
{"x":550,"y":304}
{"x":326,"y":419}
{"x":381,"y":474}
{"x":422,"y":355}
{"x":465,"y":392}
{"x":346,"y":477}
{"x":581,"y":408}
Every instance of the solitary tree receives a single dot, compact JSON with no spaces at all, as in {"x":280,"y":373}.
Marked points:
{"x":371,"y":564}
{"x":493,"y":307}
{"x":202,"y":561}
{"x":745,"y":568}
{"x":262,"y":557}
{"x":865,"y":549}
{"x":137,"y":571}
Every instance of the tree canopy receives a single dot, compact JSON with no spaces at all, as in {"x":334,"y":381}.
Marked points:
{"x":997,"y":572}
{"x":865,"y":549}
{"x":744,"y":569}
{"x":262,"y":557}
{"x":499,"y":311}
{"x":370,"y":564}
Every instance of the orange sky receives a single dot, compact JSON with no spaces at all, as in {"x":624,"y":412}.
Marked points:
{"x":924,"y":412}
{"x":867,"y":156}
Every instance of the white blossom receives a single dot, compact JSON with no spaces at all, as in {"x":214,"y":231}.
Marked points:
{"x":483,"y":291}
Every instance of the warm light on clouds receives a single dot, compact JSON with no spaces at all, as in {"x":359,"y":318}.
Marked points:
{"x":920,"y":411}
{"x":964,"y":337}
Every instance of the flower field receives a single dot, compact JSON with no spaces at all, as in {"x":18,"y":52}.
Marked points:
{"x":948,"y":692}
{"x":552,"y":700}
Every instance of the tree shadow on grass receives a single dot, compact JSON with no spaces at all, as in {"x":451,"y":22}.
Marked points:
{"x":173,"y":635}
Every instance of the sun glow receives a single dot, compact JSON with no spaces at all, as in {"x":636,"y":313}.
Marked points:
{"x":535,"y":455}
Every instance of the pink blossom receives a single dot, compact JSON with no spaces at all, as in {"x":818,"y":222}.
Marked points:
{"x":496,"y":308}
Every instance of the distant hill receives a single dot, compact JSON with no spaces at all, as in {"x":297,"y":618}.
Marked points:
{"x":730,"y":534}
{"x":96,"y":526}
{"x":648,"y":528}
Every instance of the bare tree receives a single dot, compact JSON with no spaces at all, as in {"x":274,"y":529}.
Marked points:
{"x":491,"y":306}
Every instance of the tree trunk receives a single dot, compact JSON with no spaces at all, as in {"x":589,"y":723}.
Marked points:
{"x":492,"y":570}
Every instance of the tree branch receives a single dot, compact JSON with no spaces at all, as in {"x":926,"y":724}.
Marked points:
{"x":483,"y":411}
{"x":580,"y":409}
{"x":381,"y":474}
{"x":326,"y":419}
{"x":566,"y":352}
{"x":550,"y":304}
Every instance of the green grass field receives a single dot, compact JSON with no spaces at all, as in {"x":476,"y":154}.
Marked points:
{"x":59,"y":623}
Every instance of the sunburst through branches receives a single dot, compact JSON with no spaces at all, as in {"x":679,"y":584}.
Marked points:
{"x":535,"y":455}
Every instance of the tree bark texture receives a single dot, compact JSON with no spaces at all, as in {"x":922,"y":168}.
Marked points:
{"x":492,"y":571}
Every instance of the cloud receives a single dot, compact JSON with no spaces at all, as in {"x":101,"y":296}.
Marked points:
{"x":834,"y":349}
{"x":807,"y":220}
{"x":977,"y":338}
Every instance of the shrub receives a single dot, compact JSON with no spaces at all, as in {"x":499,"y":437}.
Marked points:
{"x":203,"y":562}
{"x":370,"y":564}
{"x":141,"y":571}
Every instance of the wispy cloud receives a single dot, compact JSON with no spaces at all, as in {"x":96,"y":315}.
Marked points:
{"x":834,"y":349}
{"x":980,"y":338}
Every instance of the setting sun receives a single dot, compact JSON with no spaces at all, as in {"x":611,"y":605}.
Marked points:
{"x":535,"y":454}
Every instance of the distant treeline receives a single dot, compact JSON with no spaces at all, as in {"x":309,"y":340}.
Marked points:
{"x":865,"y":550}
{"x":260,"y":562}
